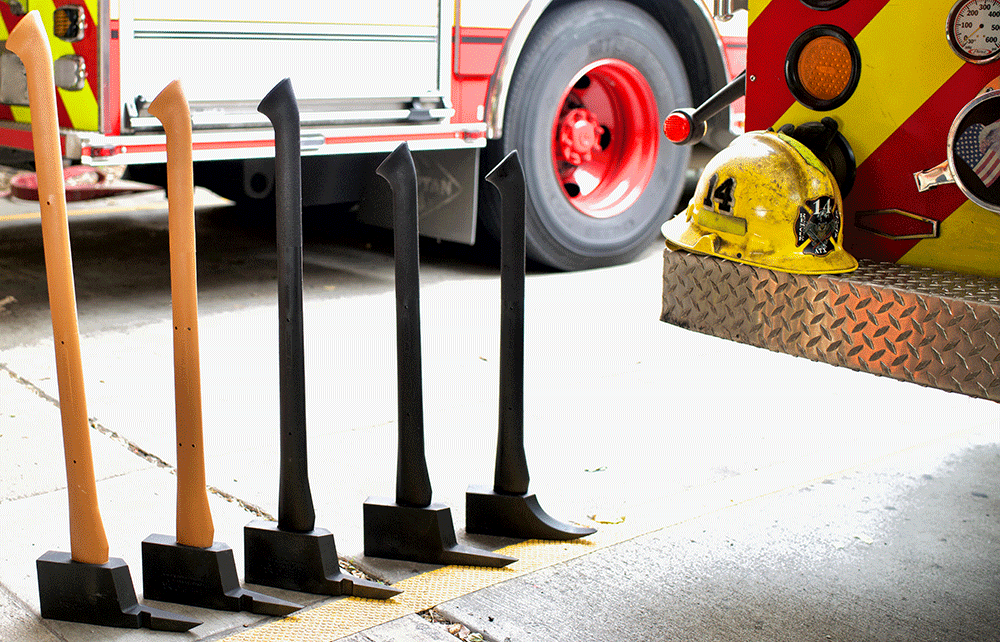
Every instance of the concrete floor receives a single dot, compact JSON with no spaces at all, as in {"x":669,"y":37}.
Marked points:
{"x":901,"y":550}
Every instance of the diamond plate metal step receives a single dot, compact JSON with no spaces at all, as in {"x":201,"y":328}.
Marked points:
{"x":935,"y":328}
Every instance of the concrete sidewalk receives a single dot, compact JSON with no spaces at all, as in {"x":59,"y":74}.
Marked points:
{"x":655,"y":435}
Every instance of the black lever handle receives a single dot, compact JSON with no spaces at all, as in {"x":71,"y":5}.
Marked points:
{"x":688,"y":126}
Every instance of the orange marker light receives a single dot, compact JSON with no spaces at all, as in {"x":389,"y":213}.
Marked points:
{"x":69,"y":23}
{"x":823,"y":67}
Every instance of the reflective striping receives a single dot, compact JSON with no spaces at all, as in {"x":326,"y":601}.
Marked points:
{"x":87,"y":114}
{"x":80,"y":106}
{"x":722,"y":222}
{"x":22,"y":113}
{"x":897,"y":121}
{"x":923,"y":39}
{"x":755,"y":9}
{"x":769,"y":39}
{"x":902,"y":154}
{"x":77,"y":109}
{"x":966,"y":222}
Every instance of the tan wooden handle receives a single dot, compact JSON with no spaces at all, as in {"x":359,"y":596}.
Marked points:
{"x":194,"y":518}
{"x":88,"y":541}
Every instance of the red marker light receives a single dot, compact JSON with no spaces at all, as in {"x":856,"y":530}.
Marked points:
{"x":677,"y":128}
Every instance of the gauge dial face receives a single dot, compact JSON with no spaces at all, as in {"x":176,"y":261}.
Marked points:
{"x":974,"y":30}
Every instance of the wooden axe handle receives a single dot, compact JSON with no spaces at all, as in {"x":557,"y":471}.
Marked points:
{"x":194,"y":518}
{"x":88,"y":541}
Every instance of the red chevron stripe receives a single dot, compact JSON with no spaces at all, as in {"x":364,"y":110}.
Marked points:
{"x":87,"y":48}
{"x":9,"y":19}
{"x":771,"y":35}
{"x":64,"y":120}
{"x":885,"y":179}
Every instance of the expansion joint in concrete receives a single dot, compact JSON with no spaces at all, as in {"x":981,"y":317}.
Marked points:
{"x":133,"y":448}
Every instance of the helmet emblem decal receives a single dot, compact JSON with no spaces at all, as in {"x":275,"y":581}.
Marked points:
{"x":818,"y":225}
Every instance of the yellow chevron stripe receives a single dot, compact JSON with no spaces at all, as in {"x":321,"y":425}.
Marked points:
{"x":21,"y":113}
{"x":82,"y":107}
{"x":756,"y":8}
{"x":904,"y":60}
{"x":969,"y":242}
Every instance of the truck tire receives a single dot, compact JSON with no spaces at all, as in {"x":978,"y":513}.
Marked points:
{"x":585,"y":112}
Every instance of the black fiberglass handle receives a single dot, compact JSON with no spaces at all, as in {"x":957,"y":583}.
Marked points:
{"x":511,"y":474}
{"x":295,"y":506}
{"x":413,"y":484}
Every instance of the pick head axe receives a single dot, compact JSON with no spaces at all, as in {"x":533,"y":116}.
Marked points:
{"x":85,"y":585}
{"x":294,"y":553}
{"x":191,"y":569}
{"x":508,"y":509}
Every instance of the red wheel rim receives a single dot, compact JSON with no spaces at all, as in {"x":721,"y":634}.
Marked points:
{"x":605,"y":137}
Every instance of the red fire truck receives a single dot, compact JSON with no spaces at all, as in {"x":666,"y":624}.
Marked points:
{"x":578,"y":87}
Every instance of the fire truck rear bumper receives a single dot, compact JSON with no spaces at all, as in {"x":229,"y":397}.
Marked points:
{"x":91,"y":148}
{"x":935,"y":328}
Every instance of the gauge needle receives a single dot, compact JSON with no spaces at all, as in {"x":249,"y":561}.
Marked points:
{"x":970,"y":36}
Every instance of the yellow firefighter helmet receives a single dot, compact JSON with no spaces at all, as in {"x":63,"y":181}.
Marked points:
{"x":766,"y":200}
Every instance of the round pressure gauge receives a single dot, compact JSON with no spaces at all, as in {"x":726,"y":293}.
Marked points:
{"x":974,"y":30}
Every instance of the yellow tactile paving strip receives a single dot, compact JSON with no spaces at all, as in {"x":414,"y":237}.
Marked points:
{"x":346,"y":616}
{"x":349,"y":615}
